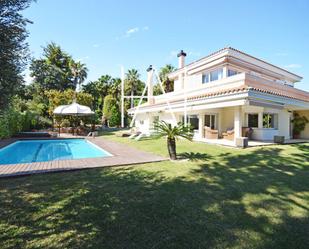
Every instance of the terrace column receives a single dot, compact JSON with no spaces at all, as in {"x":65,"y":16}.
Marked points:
{"x":225,"y":72}
{"x":260,"y":120}
{"x":237,"y":122}
{"x":201,"y":125}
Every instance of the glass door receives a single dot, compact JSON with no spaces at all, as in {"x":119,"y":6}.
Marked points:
{"x":210,"y":121}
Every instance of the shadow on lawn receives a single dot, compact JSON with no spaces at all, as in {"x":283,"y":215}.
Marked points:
{"x":252,"y":200}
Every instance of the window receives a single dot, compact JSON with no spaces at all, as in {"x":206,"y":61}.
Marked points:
{"x":270,"y":120}
{"x":231,"y":72}
{"x":216,"y":75}
{"x":192,"y":120}
{"x":210,"y":121}
{"x":205,"y":78}
{"x":141,"y":122}
{"x":253,"y":120}
{"x":212,"y":76}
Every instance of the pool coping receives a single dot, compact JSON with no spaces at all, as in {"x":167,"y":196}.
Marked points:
{"x":122,"y":155}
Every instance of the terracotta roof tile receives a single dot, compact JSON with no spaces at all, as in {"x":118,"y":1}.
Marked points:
{"x":230,"y":91}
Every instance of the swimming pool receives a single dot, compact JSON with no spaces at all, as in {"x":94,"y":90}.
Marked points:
{"x":29,"y":151}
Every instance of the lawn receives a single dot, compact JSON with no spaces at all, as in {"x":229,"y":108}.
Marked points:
{"x":219,"y":198}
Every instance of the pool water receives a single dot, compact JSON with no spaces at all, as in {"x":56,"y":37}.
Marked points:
{"x":49,"y":150}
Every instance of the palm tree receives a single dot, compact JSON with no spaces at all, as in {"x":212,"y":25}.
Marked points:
{"x":79,"y":72}
{"x":132,"y":80}
{"x":168,"y":85}
{"x":164,"y":129}
{"x":103,"y":85}
{"x":115,"y":88}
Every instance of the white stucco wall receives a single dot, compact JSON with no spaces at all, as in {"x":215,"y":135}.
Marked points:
{"x":261,"y":133}
{"x":177,"y":85}
{"x":227,"y":119}
{"x":193,"y":81}
{"x":146,"y":119}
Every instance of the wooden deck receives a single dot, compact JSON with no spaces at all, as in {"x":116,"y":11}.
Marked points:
{"x":122,"y":155}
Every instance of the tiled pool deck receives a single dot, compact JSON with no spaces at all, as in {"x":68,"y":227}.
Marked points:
{"x":122,"y":155}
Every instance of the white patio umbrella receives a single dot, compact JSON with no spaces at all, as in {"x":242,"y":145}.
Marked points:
{"x":73,"y":109}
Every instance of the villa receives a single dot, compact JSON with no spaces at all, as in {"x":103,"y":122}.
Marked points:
{"x":228,"y":95}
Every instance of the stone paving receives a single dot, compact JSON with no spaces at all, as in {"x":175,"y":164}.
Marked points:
{"x":121,"y":155}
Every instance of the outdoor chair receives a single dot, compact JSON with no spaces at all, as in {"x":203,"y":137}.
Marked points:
{"x":229,"y":134}
{"x":211,"y":133}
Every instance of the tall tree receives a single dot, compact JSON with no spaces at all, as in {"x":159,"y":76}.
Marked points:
{"x":168,"y":84}
{"x":132,"y":81}
{"x":99,"y":89}
{"x":13,"y":47}
{"x":115,"y":89}
{"x":54,"y":70}
{"x":79,"y":72}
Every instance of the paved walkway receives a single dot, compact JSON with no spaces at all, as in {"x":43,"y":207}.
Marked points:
{"x":122,"y":155}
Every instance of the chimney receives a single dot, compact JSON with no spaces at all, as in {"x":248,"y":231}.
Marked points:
{"x":150,"y":85}
{"x":181,"y":59}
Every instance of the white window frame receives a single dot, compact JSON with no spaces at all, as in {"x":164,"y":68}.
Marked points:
{"x":211,"y":119}
{"x":276,"y":120}
{"x":247,"y":118}
{"x":208,"y":73}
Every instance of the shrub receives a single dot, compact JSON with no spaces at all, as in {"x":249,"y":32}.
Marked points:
{"x":109,"y":102}
{"x":299,"y":124}
{"x":115,"y":117}
{"x":13,"y":121}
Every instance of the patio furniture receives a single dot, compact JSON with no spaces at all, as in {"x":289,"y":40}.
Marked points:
{"x":229,"y":135}
{"x":210,"y":133}
{"x":247,"y":132}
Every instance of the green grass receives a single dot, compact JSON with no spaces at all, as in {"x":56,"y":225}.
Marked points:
{"x":219,"y":198}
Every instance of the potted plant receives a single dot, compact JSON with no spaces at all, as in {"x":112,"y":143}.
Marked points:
{"x":299,"y":124}
{"x":163,"y":129}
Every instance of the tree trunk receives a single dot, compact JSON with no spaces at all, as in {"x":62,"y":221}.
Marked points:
{"x":171,"y":146}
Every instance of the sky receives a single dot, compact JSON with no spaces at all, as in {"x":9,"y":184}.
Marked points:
{"x":107,"y":34}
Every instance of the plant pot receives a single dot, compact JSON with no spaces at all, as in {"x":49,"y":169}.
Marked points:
{"x":296,"y":136}
{"x":171,"y":146}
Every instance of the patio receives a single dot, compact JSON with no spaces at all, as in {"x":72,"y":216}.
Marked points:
{"x":122,"y":155}
{"x":251,"y":143}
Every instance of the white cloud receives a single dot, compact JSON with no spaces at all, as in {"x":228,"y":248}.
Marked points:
{"x":96,"y":45}
{"x":132,"y":31}
{"x":293,"y":66}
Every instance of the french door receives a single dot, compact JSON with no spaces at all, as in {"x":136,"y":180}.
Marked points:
{"x":210,"y":121}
